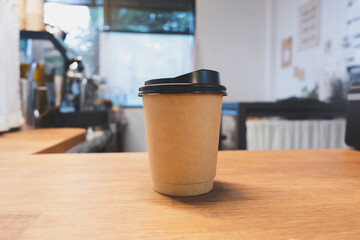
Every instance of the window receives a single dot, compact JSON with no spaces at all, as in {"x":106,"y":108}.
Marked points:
{"x":141,"y":39}
{"x":144,"y":39}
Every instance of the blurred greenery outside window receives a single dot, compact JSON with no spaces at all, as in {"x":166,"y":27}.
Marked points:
{"x":150,"y":21}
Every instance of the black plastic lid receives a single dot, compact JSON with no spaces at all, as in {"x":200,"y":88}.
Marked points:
{"x":198,"y":82}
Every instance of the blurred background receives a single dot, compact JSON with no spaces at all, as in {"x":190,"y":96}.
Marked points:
{"x":287,"y":66}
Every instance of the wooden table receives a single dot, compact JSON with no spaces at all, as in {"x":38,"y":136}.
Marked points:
{"x":48,"y":140}
{"x":304,"y":194}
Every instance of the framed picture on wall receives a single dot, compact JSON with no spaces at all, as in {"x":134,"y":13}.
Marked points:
{"x":309,"y":24}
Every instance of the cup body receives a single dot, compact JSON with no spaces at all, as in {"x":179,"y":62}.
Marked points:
{"x":182,"y":137}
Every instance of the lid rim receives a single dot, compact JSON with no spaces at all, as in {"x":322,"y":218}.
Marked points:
{"x":181,"y":92}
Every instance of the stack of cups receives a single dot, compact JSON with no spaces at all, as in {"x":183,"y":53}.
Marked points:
{"x":21,"y":5}
{"x":34,"y":15}
{"x":182,"y":120}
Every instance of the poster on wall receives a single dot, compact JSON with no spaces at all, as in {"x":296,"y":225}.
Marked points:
{"x":309,"y":24}
{"x":352,"y":40}
{"x":286,"y":52}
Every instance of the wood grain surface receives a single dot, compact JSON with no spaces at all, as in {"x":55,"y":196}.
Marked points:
{"x":49,"y":140}
{"x":302,"y":194}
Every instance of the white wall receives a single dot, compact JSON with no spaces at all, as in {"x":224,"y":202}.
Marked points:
{"x":230,"y":38}
{"x":314,"y":60}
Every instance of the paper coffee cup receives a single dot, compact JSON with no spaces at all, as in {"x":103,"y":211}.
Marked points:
{"x":182,"y":119}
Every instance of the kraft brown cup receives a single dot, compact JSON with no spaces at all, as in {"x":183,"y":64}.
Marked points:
{"x":182,"y":137}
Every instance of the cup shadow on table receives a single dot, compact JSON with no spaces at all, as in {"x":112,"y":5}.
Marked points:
{"x":221,"y":192}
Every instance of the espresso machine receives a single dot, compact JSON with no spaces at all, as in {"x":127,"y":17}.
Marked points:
{"x":80,"y":92}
